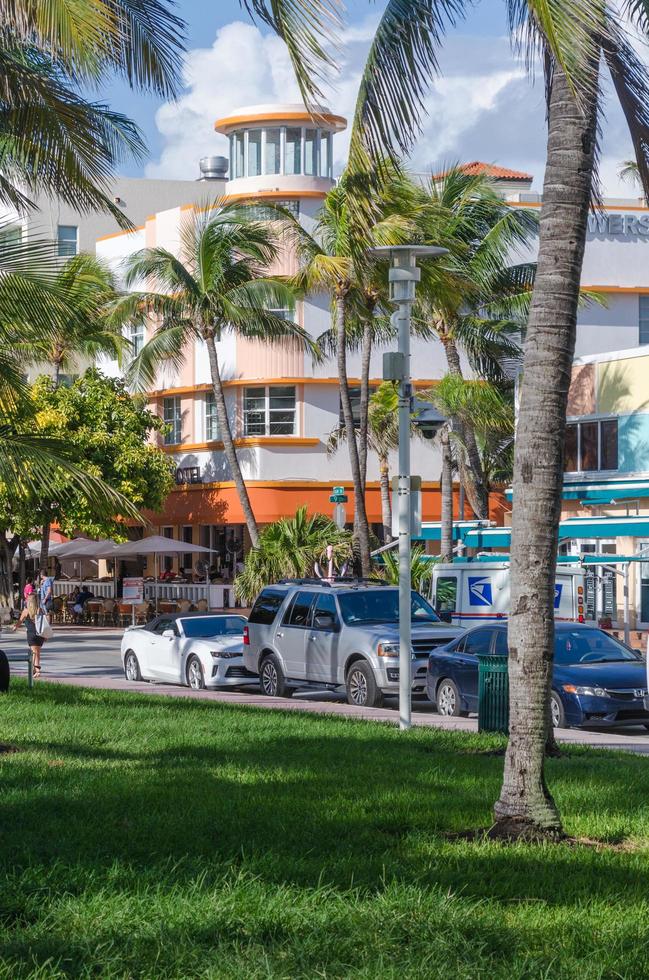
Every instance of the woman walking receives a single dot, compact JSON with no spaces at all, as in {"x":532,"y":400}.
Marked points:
{"x":35,"y":641}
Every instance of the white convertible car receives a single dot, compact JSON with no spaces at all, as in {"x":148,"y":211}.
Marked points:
{"x":198,"y":649}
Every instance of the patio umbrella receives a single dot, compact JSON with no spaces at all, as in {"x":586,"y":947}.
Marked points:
{"x":154,"y":545}
{"x":84,"y":548}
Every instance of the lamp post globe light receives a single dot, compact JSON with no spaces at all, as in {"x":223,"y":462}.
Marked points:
{"x":403,"y":276}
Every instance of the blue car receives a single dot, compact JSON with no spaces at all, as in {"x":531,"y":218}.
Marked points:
{"x":596,"y":680}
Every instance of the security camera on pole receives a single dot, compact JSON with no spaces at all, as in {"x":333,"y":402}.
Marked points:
{"x":404,"y":275}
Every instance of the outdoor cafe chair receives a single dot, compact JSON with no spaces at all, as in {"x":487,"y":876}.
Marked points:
{"x":184,"y":606}
{"x":142,"y":612}
{"x":202,"y":605}
{"x":95,"y":609}
{"x":109,"y":612}
{"x":124,"y":613}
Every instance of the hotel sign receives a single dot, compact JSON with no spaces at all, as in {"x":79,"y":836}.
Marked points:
{"x":614,"y":225}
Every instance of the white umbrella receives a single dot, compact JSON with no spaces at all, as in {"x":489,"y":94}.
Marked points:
{"x":154,"y":545}
{"x":83,"y":548}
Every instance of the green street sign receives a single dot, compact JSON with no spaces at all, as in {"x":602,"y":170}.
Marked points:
{"x":338,"y":490}
{"x":338,"y":498}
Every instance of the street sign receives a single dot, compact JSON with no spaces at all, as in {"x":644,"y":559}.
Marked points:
{"x":338,"y":498}
{"x":338,"y":490}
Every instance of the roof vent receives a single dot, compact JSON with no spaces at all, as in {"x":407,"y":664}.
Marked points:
{"x":213,"y":168}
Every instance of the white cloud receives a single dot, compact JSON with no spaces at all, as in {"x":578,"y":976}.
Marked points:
{"x":483,"y":106}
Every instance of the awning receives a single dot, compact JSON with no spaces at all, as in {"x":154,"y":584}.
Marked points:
{"x":432,"y":530}
{"x":601,"y":491}
{"x":574,"y":527}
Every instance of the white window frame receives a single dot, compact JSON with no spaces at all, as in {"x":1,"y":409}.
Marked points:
{"x":207,"y":417}
{"x":176,"y":422}
{"x":137,"y":336}
{"x":267,"y":413}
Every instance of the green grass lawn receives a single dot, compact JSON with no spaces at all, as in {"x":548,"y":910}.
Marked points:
{"x":152,"y":837}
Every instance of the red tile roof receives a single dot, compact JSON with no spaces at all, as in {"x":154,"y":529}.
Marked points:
{"x":477,"y":167}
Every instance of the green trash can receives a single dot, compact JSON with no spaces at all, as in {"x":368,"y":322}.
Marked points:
{"x":493,"y":694}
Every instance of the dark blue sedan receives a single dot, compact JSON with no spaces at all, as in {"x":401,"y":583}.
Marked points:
{"x":596,"y":680}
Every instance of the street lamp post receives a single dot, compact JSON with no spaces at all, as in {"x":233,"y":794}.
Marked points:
{"x":403,"y":277}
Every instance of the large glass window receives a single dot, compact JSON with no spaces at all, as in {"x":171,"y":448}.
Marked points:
{"x":325,"y":155}
{"x":238,"y":163}
{"x":68,"y":240}
{"x":173,"y":418}
{"x":643,"y":319}
{"x":293,"y":151}
{"x":211,"y":421}
{"x":254,"y":152}
{"x":272,"y":152}
{"x":269,"y":410}
{"x":355,"y":398}
{"x":591,"y":446}
{"x":311,"y":152}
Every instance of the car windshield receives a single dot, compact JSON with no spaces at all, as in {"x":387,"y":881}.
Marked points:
{"x":204,"y":627}
{"x":589,"y":646}
{"x":382,"y":606}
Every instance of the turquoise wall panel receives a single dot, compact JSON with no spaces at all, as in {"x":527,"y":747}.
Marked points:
{"x":633,"y":443}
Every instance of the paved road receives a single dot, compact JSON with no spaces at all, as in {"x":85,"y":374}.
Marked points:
{"x":86,"y":657}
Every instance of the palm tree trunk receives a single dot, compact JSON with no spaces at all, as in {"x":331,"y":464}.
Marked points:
{"x":366,"y":356}
{"x":525,"y":807}
{"x":360,"y":519}
{"x":470,"y":464}
{"x":45,"y":546}
{"x":386,"y":506}
{"x":446,"y":530}
{"x":225,"y":434}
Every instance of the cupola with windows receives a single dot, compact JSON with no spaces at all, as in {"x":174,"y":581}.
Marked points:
{"x":280,"y":149}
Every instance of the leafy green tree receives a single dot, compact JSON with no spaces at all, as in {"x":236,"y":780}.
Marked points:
{"x":291,"y":548}
{"x":218,"y":286}
{"x":421,"y":568}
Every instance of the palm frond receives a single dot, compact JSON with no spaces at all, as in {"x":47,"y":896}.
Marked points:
{"x":629,"y":75}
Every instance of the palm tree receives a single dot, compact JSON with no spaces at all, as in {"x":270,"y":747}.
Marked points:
{"x":216,"y":287}
{"x":54,"y":140}
{"x":291,"y":548}
{"x":481,"y":307}
{"x":421,"y":568}
{"x":81,"y":326}
{"x":574,"y":40}
{"x":382,"y":439}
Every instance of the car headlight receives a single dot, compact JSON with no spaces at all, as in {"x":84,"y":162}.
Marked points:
{"x":388,"y":649}
{"x":225,"y":654}
{"x":592,"y":692}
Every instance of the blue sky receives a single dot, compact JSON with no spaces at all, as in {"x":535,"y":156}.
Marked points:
{"x":483,"y":107}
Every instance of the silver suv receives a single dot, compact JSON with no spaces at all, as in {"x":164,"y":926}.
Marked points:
{"x":308,"y":633}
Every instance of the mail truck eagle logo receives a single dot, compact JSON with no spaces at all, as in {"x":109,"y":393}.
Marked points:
{"x":480,"y":591}
{"x":558,"y":589}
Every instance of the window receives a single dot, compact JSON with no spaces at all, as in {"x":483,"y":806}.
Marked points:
{"x":643,"y":320}
{"x":165,"y":624}
{"x":355,"y":398}
{"x":211,"y":421}
{"x":269,"y":410}
{"x":136,"y":337}
{"x":325,"y":155}
{"x":591,"y":445}
{"x":500,"y":647}
{"x":254,"y":153}
{"x":446,"y":596}
{"x":172,"y":415}
{"x":293,"y":151}
{"x":478,"y":642}
{"x":325,"y":606}
{"x":311,"y":152}
{"x":67,"y":240}
{"x":266,"y":606}
{"x":297,"y":613}
{"x":237,"y":164}
{"x":167,"y":560}
{"x":284,"y":312}
{"x":272,"y":152}
{"x":188,"y":538}
{"x":11,"y":236}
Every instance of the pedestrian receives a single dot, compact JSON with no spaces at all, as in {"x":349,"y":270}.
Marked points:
{"x":31,"y":616}
{"x":28,"y":590}
{"x":46,"y":592}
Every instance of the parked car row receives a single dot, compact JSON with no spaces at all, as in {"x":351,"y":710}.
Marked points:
{"x":307,"y":634}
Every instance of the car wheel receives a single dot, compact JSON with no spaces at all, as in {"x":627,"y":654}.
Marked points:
{"x":449,"y":700}
{"x":557,"y":712}
{"x":132,"y":667}
{"x":361,"y":686}
{"x":195,"y":677}
{"x":272,"y":680}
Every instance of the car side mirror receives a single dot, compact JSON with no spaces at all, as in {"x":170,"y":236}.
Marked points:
{"x":169,"y":634}
{"x":326,"y":621}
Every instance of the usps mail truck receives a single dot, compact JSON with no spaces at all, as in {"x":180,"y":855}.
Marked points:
{"x":470,"y":592}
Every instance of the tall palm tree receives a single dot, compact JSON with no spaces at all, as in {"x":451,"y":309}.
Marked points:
{"x":81,"y":326}
{"x":574,"y":40}
{"x":217,"y":286}
{"x":484,"y":312}
{"x":54,"y":140}
{"x":382,"y":439}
